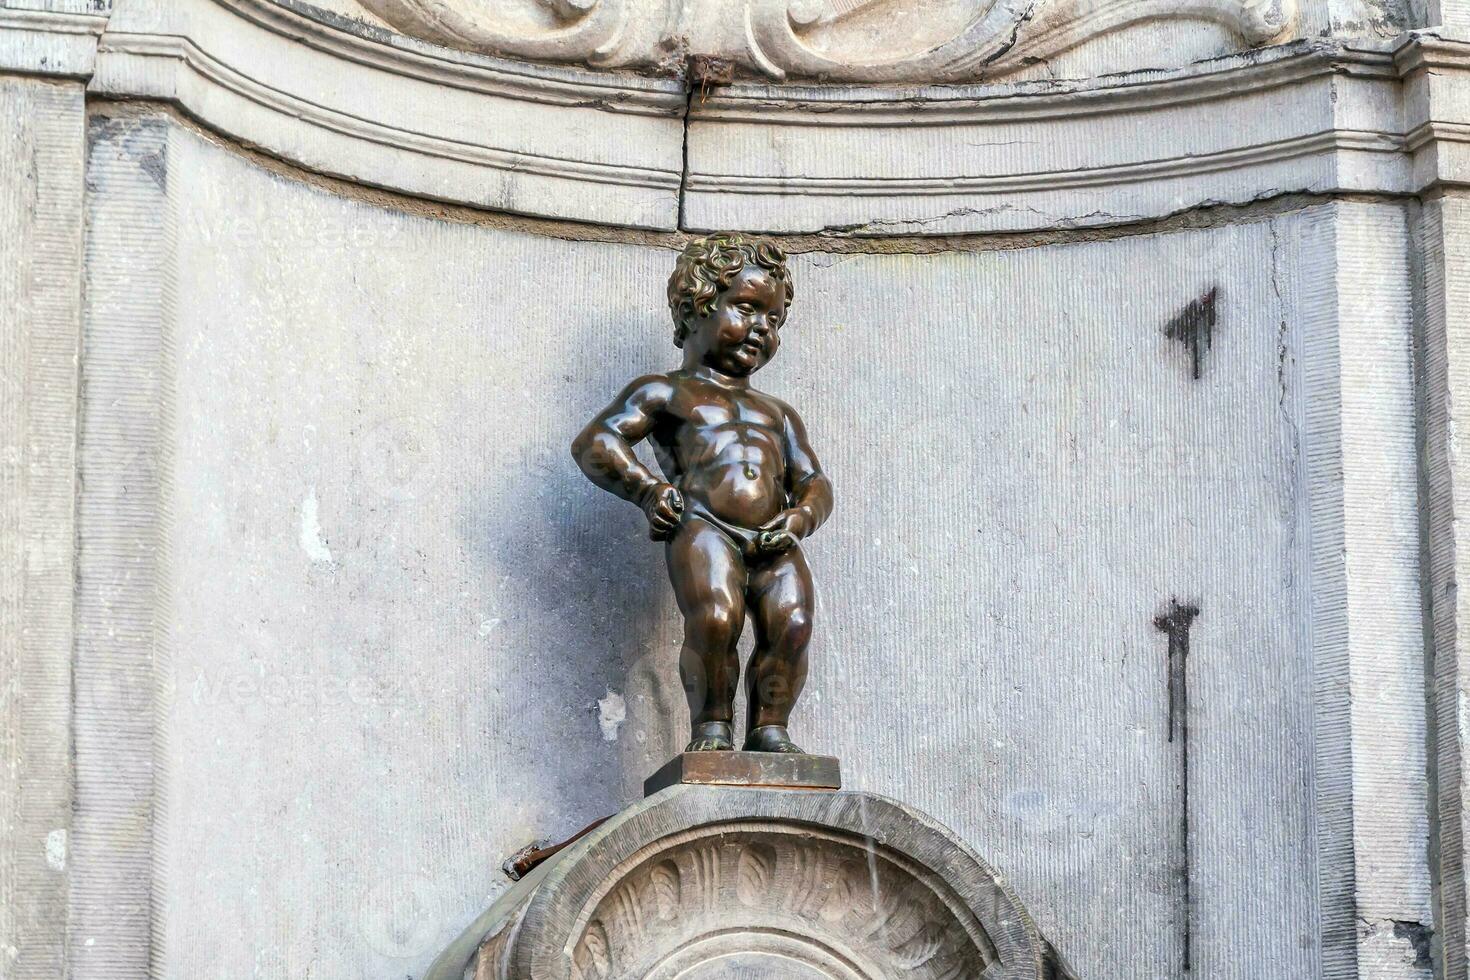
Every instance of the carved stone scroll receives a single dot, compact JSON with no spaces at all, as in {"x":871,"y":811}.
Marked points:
{"x":835,"y":40}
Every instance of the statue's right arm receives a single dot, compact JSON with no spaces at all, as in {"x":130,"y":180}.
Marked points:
{"x":604,"y":449}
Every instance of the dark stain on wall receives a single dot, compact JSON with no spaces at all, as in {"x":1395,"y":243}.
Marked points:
{"x":1194,"y":327}
{"x":1175,"y":624}
{"x":1420,"y":937}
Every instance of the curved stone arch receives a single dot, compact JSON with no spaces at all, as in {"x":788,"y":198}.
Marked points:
{"x":608,"y":149}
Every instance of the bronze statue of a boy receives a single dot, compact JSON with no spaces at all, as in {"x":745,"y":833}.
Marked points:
{"x":743,"y":487}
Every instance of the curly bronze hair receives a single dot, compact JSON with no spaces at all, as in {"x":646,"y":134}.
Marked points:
{"x":708,"y":265}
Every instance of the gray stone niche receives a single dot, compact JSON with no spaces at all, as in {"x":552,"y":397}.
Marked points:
{"x":701,"y":882}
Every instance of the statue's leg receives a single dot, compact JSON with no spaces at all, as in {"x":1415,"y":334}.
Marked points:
{"x":780,"y":597}
{"x":708,"y":576}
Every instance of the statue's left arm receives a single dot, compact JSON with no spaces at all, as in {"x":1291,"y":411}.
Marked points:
{"x":808,"y":487}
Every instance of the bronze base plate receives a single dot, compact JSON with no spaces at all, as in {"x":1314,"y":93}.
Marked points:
{"x":768,"y":770}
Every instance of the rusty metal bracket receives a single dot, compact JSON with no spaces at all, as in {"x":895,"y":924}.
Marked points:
{"x":520,"y":864}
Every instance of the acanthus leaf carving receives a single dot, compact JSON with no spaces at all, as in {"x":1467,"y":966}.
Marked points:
{"x":1061,"y":25}
{"x":826,"y":901}
{"x":714,"y":882}
{"x":665,"y":888}
{"x":754,"y":873}
{"x":594,"y":955}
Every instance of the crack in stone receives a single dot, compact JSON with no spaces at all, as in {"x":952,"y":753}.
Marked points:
{"x":680,"y":222}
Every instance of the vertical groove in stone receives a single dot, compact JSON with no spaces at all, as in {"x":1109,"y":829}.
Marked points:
{"x":161,"y":684}
{"x":1445,"y":329}
{"x":41,"y":153}
{"x":1321,"y":438}
{"x":122,"y":515}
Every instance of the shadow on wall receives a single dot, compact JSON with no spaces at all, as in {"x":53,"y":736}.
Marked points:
{"x":591,"y":668}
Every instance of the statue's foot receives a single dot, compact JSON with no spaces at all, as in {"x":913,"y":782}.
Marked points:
{"x":770,"y":738}
{"x":712,"y":736}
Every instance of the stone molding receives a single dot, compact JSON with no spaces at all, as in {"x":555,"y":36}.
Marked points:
{"x":36,"y":42}
{"x":850,"y":885}
{"x":513,"y":137}
{"x":348,"y":100}
{"x":1309,"y":117}
{"x":1435,"y":99}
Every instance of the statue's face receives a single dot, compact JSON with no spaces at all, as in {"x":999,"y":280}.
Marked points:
{"x":741,"y":333}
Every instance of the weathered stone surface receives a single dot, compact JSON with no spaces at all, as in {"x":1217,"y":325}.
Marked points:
{"x":1365,"y":632}
{"x":720,"y":883}
{"x":747,"y":769}
{"x":948,"y":160}
{"x":125,"y":519}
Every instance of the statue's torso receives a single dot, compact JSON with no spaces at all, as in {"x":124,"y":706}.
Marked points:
{"x":723,"y":448}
